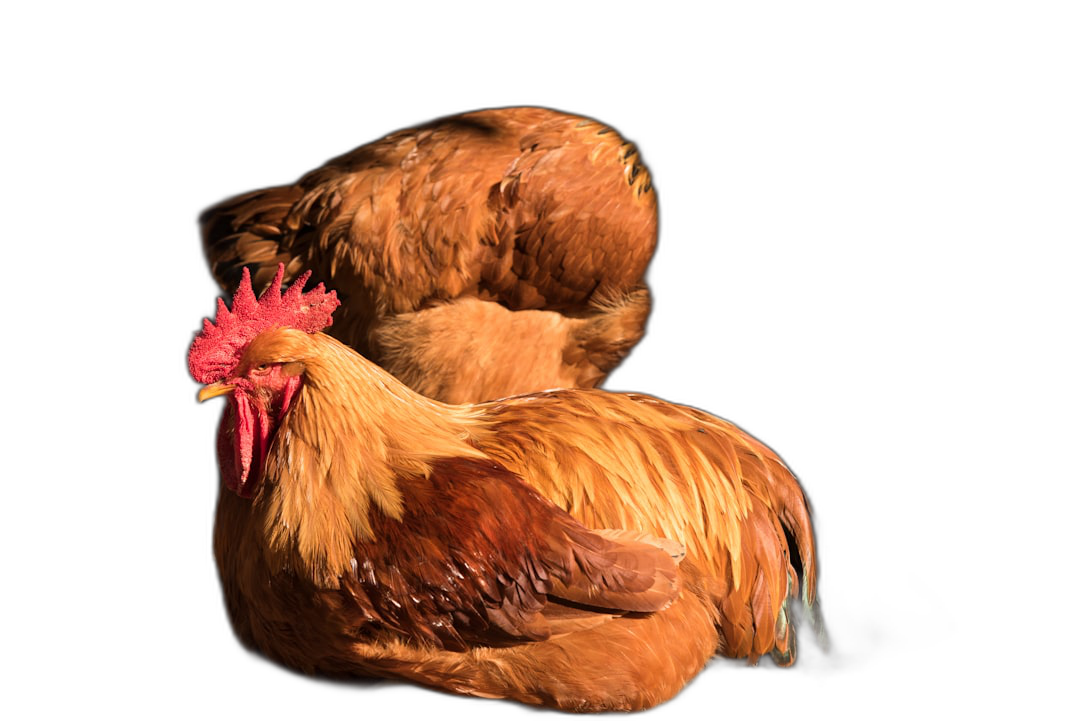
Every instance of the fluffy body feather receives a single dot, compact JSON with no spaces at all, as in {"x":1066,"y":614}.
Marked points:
{"x":479,"y":256}
{"x":523,"y":548}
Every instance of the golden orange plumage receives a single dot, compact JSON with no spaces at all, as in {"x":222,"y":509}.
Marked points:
{"x":477,"y":256}
{"x":376,"y":531}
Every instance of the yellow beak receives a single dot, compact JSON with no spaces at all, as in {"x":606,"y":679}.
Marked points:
{"x":215,"y":389}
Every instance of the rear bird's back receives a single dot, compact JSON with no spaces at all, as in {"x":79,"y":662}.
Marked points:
{"x":478,"y":256}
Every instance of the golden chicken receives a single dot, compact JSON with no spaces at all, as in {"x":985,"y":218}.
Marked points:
{"x":365,"y":529}
{"x":478,"y":256}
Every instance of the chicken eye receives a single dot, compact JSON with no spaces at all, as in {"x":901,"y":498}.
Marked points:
{"x":262,"y":368}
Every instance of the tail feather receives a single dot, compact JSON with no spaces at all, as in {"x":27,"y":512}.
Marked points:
{"x":784,"y":652}
{"x":794,"y":513}
{"x":817,"y":623}
{"x":251,"y":230}
{"x":807,"y":553}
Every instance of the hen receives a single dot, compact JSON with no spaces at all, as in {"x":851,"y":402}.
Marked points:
{"x":478,"y":256}
{"x":365,"y":529}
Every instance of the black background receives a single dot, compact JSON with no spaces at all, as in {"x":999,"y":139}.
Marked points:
{"x":783,"y":201}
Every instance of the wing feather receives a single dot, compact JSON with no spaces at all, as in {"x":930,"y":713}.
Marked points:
{"x":479,"y":558}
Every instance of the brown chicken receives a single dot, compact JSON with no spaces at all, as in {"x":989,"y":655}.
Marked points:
{"x":365,"y":529}
{"x":478,"y":256}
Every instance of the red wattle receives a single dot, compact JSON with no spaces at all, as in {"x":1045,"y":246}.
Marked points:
{"x":226,"y":447}
{"x":241,"y":439}
{"x":246,"y":434}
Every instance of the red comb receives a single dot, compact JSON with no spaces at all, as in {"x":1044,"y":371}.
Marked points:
{"x":217,"y":350}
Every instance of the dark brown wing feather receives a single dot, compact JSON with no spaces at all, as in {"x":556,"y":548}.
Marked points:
{"x":478,"y":555}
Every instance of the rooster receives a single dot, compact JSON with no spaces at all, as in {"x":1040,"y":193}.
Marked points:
{"x":515,"y":549}
{"x":479,"y":256}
